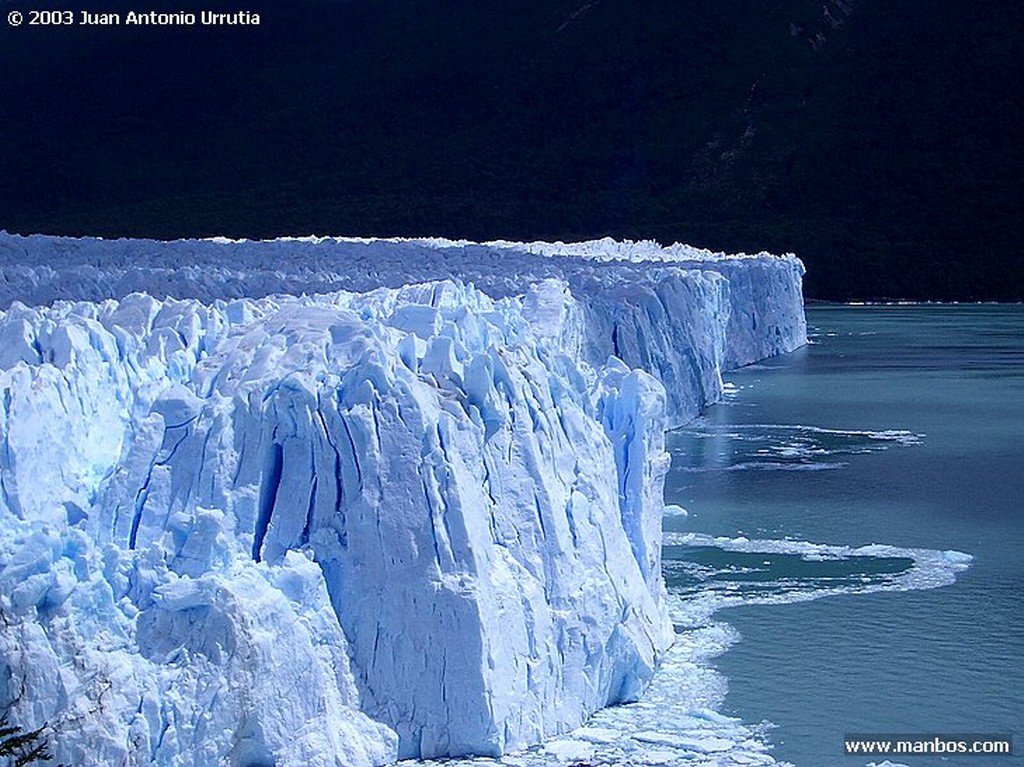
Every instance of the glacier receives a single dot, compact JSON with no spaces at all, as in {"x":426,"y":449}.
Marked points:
{"x":331,"y":501}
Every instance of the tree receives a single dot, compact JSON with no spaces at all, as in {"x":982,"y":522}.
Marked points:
{"x":25,"y":747}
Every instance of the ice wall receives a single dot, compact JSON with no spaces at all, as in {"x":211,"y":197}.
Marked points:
{"x":336,"y":529}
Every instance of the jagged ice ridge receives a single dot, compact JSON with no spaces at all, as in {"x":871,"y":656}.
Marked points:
{"x":416,"y":512}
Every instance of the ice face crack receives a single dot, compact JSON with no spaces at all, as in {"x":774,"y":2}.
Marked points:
{"x":268,"y":497}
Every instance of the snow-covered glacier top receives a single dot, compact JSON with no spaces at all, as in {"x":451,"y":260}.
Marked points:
{"x":336,"y":502}
{"x":729,"y":310}
{"x":338,"y":261}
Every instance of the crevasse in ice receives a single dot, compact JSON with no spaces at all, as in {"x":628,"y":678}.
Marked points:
{"x":416,"y":513}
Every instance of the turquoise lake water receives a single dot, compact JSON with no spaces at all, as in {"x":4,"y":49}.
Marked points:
{"x":901,"y":426}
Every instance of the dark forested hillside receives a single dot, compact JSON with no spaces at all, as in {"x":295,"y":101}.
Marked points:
{"x":879,"y":141}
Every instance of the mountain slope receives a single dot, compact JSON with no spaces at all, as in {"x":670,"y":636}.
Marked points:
{"x":876,"y":141}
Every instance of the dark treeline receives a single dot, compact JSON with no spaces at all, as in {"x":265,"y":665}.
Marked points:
{"x":879,"y":141}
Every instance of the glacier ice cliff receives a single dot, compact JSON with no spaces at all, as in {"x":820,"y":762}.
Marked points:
{"x":338,"y":502}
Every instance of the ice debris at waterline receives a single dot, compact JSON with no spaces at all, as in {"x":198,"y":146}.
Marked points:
{"x":411,"y":520}
{"x":677,"y":722}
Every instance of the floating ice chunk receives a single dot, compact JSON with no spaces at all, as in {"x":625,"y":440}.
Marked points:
{"x":569,"y":750}
{"x":597,"y":734}
{"x":700,"y":744}
{"x":714,"y":717}
{"x":958,"y":558}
